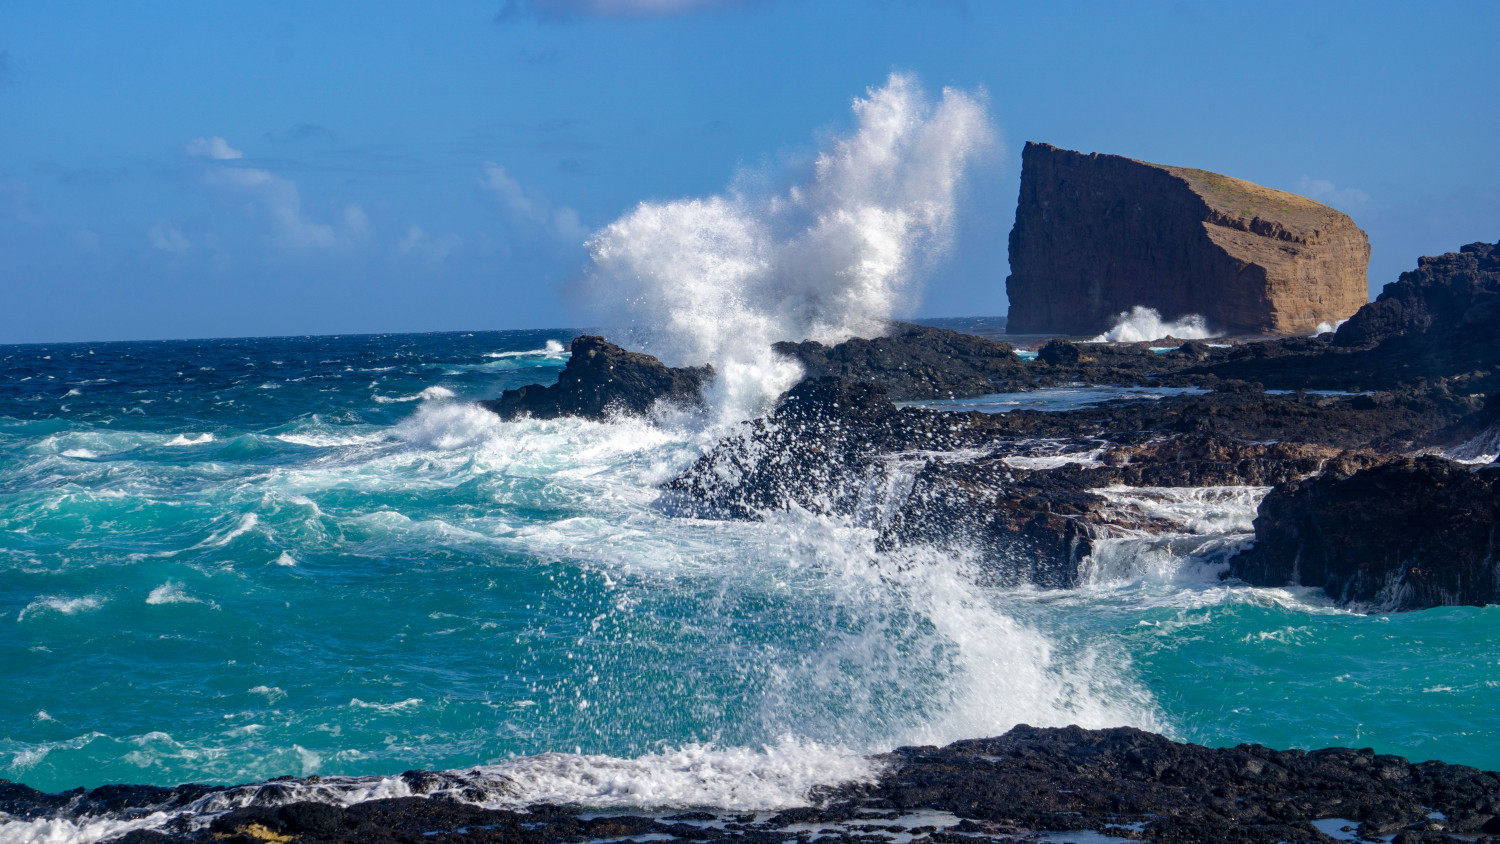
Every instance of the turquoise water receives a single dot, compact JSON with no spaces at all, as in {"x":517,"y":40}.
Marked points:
{"x":223,"y":561}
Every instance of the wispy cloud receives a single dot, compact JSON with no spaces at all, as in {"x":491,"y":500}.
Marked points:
{"x":1326,"y":192}
{"x":566,"y":10}
{"x":165,"y":236}
{"x":530,"y":207}
{"x":282,"y":203}
{"x":215,"y":147}
{"x":420,"y":244}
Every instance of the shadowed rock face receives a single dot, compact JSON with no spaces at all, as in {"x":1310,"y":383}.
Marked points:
{"x":1098,"y":234}
{"x":602,"y":379}
{"x":1415,"y":533}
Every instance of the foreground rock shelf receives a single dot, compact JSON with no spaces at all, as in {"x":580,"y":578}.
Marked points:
{"x":1029,"y":785}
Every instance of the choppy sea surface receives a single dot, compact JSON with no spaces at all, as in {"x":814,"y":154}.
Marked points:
{"x":224,"y":561}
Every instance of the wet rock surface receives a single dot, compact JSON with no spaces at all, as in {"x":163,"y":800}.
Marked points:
{"x":1022,"y":488}
{"x":915,"y":362}
{"x":1028,"y":785}
{"x":1410,"y":534}
{"x":602,"y":379}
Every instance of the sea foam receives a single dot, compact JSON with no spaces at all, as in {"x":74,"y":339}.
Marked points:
{"x":1140,"y":324}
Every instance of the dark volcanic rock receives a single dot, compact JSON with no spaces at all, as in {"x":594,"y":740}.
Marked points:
{"x":1072,"y":778}
{"x":1437,"y":328}
{"x":1411,"y":534}
{"x":603,"y":379}
{"x":915,"y":362}
{"x":836,"y":447}
{"x":1120,"y":782}
{"x":1455,"y":292}
{"x":1096,"y":235}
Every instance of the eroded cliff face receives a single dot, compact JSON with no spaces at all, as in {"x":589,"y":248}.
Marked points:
{"x":1096,"y":235}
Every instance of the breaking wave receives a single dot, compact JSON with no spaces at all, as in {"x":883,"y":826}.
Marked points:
{"x":1141,"y":324}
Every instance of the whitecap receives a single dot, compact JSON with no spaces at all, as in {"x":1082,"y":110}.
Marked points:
{"x":62,"y":604}
{"x":190,"y":439}
{"x":174,"y":593}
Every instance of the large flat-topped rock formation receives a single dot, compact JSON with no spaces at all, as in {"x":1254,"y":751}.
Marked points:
{"x":1096,"y":235}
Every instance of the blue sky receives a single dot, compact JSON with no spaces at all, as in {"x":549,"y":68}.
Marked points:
{"x":192,"y":170}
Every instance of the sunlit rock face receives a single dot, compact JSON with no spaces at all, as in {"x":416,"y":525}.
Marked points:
{"x":1097,"y":235}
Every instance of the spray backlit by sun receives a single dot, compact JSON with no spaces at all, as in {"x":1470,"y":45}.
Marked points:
{"x":719,"y":279}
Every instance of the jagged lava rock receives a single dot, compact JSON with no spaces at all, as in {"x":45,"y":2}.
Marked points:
{"x":915,"y":362}
{"x":601,"y":379}
{"x":1414,"y":533}
{"x":1434,"y":331}
{"x":1096,"y":235}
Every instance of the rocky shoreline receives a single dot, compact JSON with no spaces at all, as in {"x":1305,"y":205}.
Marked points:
{"x":1373,"y":447}
{"x":1330,"y":423}
{"x":1029,"y":785}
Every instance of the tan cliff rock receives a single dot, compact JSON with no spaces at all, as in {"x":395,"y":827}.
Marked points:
{"x":1096,"y":235}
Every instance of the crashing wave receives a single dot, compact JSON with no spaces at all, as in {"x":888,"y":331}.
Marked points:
{"x":719,"y":279}
{"x":1141,"y":324}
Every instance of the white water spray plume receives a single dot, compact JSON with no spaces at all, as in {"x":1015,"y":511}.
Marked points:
{"x":719,"y":279}
{"x":1140,"y":324}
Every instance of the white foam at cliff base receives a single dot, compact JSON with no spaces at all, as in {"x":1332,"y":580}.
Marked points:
{"x":1141,"y":324}
{"x":1328,"y":327}
{"x":718,"y":280}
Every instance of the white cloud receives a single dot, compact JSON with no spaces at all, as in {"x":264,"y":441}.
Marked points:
{"x":283,"y":206}
{"x":434,"y":249}
{"x":531,"y":207}
{"x":215,"y":147}
{"x":165,"y":236}
{"x":1327,"y":193}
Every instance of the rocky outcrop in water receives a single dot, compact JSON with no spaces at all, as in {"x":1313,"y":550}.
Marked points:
{"x":1096,"y":235}
{"x":915,"y":362}
{"x":1415,"y":533}
{"x":602,"y":379}
{"x":1025,"y":786}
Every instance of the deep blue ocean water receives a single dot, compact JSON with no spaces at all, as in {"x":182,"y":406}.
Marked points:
{"x":223,"y":561}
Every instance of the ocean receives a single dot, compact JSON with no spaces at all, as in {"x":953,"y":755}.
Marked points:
{"x":223,"y":561}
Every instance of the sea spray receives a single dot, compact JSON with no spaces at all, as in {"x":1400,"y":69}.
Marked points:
{"x":1140,"y":324}
{"x":719,"y":279}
